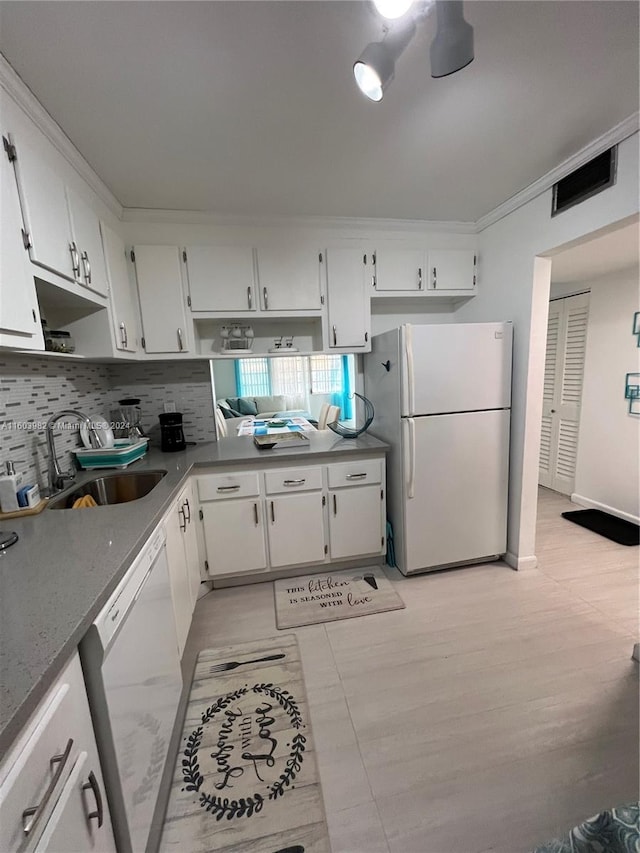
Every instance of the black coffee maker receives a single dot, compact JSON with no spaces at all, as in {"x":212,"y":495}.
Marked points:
{"x":171,"y":434}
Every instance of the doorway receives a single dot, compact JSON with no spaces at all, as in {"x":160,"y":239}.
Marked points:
{"x":562,"y":397}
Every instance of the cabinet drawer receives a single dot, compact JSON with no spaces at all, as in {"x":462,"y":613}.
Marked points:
{"x":216,"y":487}
{"x":38,"y":770}
{"x":293,"y":480}
{"x":355,"y":473}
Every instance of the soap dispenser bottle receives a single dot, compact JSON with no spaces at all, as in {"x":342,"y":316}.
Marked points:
{"x":9,"y":484}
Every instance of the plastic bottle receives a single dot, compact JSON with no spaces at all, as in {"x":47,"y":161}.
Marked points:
{"x":9,"y":484}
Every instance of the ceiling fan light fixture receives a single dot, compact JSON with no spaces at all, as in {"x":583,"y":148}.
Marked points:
{"x":392,"y":9}
{"x":452,"y":47}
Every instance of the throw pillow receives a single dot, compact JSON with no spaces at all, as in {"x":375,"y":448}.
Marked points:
{"x":233,"y":403}
{"x":247,"y":407}
{"x":229,"y":413}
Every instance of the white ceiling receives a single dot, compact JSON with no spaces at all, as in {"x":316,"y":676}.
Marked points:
{"x":249,"y":108}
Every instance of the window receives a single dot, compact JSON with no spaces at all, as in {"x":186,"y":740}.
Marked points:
{"x":326,"y":374}
{"x":252,"y":377}
{"x":298,"y":379}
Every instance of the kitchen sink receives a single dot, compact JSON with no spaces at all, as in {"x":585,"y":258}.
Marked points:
{"x":109,"y":489}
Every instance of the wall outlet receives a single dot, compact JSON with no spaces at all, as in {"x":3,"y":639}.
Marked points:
{"x":169,"y":406}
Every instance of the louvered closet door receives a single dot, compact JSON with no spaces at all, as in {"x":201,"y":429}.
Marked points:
{"x":563,"y":375}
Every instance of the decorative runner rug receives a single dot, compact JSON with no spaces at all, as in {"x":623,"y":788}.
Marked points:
{"x":310,"y":599}
{"x":246,"y":779}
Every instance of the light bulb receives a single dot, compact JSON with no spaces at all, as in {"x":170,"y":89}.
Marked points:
{"x":392,"y":9}
{"x":368,"y":81}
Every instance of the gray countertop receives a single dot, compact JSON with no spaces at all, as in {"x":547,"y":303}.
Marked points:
{"x":59,"y":575}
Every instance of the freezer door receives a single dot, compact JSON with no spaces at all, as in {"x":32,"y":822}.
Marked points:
{"x":455,"y":488}
{"x":456,"y":367}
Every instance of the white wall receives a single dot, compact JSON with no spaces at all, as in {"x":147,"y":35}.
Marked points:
{"x":224,"y":377}
{"x":506,"y":291}
{"x":609,"y":437}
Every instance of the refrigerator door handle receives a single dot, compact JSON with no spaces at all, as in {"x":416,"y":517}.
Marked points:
{"x":412,"y":457}
{"x":408,"y":347}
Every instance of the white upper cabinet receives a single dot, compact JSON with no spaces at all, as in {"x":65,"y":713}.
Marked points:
{"x":221,"y":278}
{"x":162,"y":306}
{"x":85,"y":231}
{"x":239,"y":279}
{"x":348,"y":315}
{"x":452,"y":269}
{"x":400,"y":271}
{"x":19,"y":317}
{"x":123,"y":297}
{"x":289,"y":278}
{"x":62,"y":228}
{"x":44,"y":209}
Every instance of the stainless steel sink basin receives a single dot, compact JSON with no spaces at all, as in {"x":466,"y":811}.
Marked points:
{"x":108,"y":489}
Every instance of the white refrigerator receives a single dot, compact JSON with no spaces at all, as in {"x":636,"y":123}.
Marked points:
{"x":442,"y":397}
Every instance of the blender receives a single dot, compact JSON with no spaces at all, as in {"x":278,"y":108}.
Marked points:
{"x":128,"y":419}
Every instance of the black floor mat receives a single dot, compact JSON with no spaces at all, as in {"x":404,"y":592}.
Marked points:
{"x":617,"y":529}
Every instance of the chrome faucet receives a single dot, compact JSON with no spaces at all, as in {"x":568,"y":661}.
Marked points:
{"x":57,"y":477}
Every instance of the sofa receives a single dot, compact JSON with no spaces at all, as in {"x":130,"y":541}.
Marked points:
{"x":263,"y":407}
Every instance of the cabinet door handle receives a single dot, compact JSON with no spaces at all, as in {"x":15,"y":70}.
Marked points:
{"x":186,"y":504}
{"x":249,"y":297}
{"x":294,"y":482}
{"x":273,"y":513}
{"x":335,"y":337}
{"x":255,"y":514}
{"x":419,"y":278}
{"x":227,"y":488}
{"x":123,"y":334}
{"x":92,"y":785}
{"x":75,"y":258}
{"x":265,"y":297}
{"x":32,"y":815}
{"x":435,"y":274}
{"x":180,"y":343}
{"x":335,"y":505}
{"x":86,"y":263}
{"x":184,"y":520}
{"x":360,"y":476}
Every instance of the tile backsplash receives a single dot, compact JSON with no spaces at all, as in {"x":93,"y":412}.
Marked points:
{"x":33,"y":387}
{"x":185,"y":384}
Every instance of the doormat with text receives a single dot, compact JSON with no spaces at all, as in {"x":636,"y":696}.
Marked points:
{"x":317,"y":598}
{"x":246,"y":779}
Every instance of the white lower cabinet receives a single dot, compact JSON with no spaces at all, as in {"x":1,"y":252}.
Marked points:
{"x":355,"y":522}
{"x":296,"y":529}
{"x":234,"y":536}
{"x":184,"y":561}
{"x":292,"y":516}
{"x":52,"y":795}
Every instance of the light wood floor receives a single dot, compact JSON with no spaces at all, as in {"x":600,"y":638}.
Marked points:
{"x":495,"y":712}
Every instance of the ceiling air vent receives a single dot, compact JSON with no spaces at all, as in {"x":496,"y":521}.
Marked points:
{"x":594,"y":176}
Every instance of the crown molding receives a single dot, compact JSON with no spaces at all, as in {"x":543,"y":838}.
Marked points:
{"x":612,"y":137}
{"x":337,"y":223}
{"x":17,"y":89}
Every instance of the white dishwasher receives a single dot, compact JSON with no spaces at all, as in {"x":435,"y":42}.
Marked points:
{"x":133,"y":677}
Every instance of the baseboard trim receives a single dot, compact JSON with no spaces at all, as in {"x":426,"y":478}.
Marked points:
{"x":587,"y":502}
{"x":520,"y":564}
